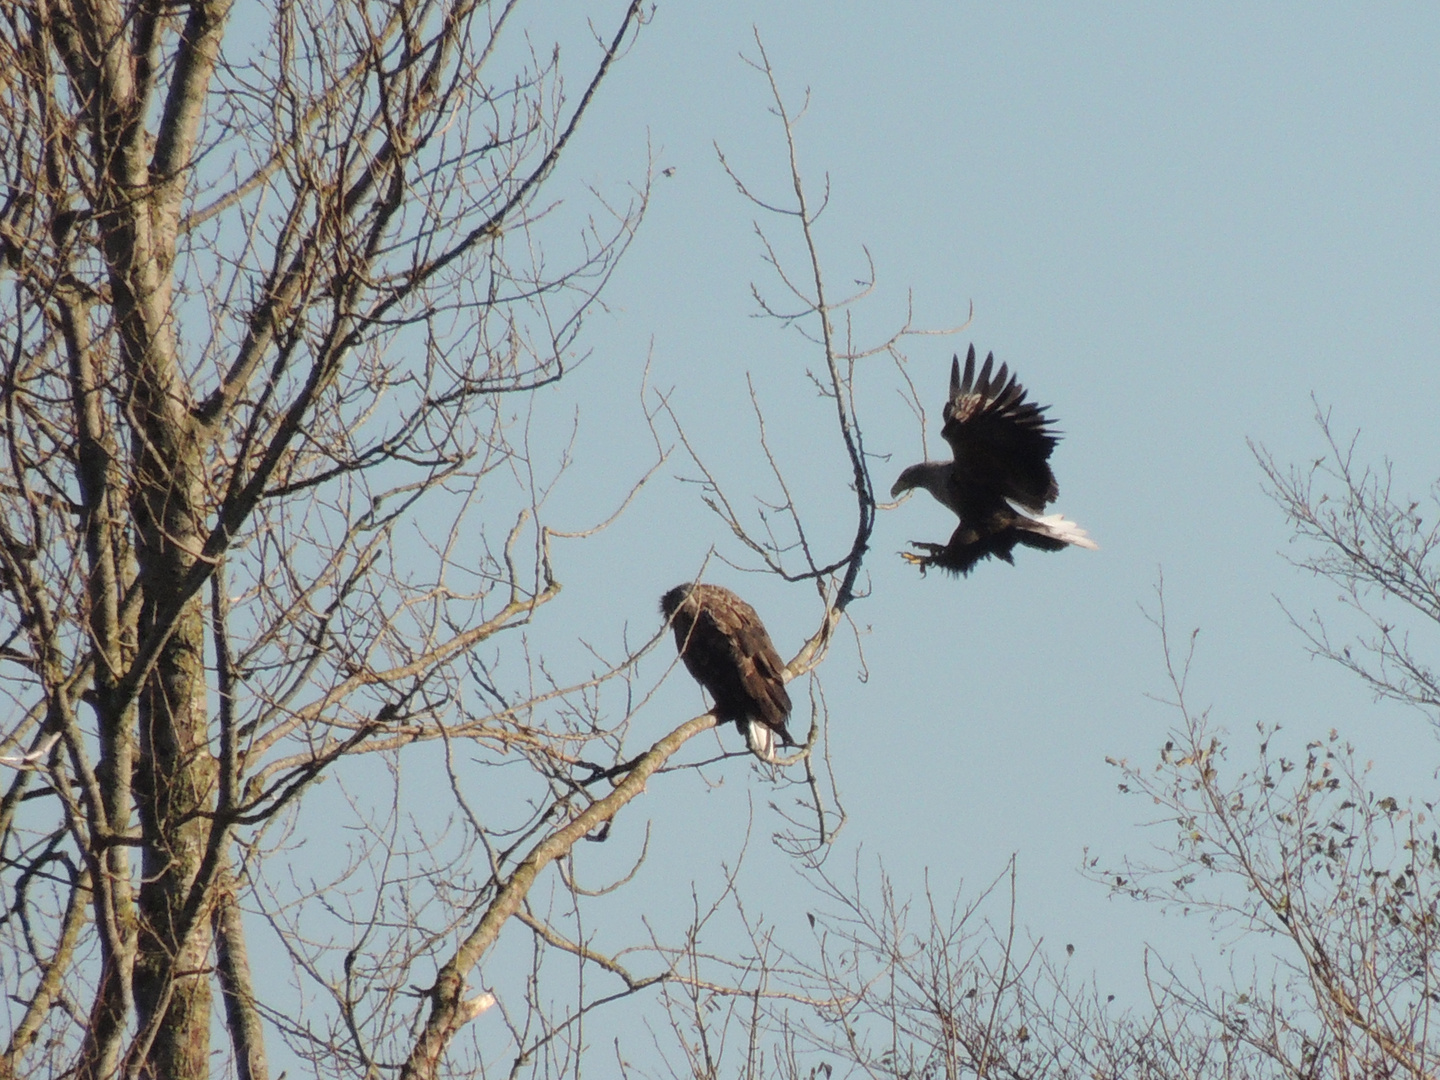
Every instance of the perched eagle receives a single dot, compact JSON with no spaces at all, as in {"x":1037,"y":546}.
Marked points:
{"x":1000,"y":480}
{"x":725,"y":647}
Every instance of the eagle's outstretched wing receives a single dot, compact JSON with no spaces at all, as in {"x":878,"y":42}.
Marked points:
{"x":1002,"y":442}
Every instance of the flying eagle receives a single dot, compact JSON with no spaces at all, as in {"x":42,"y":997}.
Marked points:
{"x":1000,"y":480}
{"x":725,"y":647}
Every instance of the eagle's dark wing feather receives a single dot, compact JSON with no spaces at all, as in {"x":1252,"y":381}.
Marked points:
{"x":726,"y":648}
{"x":1002,"y":442}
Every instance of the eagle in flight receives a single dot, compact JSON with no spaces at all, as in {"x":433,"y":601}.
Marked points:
{"x":726,"y":648}
{"x":1000,"y":481}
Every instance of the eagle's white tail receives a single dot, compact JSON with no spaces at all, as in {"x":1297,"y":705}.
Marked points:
{"x":1058,"y":528}
{"x":760,"y":739}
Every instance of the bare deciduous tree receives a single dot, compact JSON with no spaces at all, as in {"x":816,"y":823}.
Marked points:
{"x":266,"y":288}
{"x":1330,"y":886}
{"x":1381,"y":550}
{"x":276,"y":299}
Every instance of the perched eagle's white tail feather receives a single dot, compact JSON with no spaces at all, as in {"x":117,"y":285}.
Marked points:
{"x":1057,"y":526}
{"x":760,"y":739}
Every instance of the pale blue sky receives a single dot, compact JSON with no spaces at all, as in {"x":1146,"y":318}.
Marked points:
{"x":1176,"y":223}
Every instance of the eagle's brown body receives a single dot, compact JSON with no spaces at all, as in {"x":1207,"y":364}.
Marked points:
{"x":1000,"y":480}
{"x":726,"y":648}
